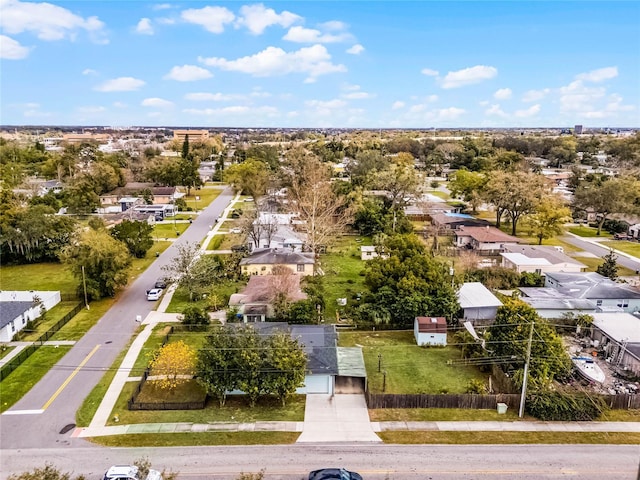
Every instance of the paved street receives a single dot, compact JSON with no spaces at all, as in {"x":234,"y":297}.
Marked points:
{"x":591,"y":245}
{"x":373,"y":461}
{"x":37,"y":419}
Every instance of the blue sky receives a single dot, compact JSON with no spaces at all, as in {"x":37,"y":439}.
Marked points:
{"x":365,"y":64}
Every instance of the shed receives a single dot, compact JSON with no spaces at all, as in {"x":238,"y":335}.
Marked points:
{"x":478,"y":304}
{"x":619,"y":335}
{"x":430,"y":330}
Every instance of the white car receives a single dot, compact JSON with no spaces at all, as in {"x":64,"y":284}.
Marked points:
{"x":154,"y":294}
{"x":129,"y":472}
{"x":236,"y":230}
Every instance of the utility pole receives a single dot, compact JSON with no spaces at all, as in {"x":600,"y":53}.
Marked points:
{"x":84,"y":286}
{"x":526,"y":374}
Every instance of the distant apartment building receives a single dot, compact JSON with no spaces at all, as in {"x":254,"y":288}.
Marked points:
{"x":578,"y":130}
{"x":194,"y":135}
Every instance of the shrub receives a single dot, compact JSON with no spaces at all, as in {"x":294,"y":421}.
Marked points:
{"x":195,"y":317}
{"x":476,"y":386}
{"x":556,"y":406}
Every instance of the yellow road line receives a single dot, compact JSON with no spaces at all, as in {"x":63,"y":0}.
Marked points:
{"x":70,"y":377}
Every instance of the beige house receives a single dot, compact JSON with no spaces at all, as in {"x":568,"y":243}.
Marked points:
{"x":263,"y":261}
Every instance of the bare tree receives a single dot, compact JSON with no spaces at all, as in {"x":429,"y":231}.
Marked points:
{"x":312,"y":198}
{"x":259,"y":226}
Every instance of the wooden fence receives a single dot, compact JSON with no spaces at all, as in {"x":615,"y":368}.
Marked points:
{"x":15,"y":362}
{"x":470,"y":401}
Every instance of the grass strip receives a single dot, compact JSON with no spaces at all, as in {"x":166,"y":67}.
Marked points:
{"x":512,"y":438}
{"x":197,"y":439}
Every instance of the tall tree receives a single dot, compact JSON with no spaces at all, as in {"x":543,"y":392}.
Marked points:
{"x":216,"y":368}
{"x":135,"y":235}
{"x":251,"y":177}
{"x":549,"y":217}
{"x":609,"y":268}
{"x":312,"y":197}
{"x":515,"y":193}
{"x":99,"y":261}
{"x":468,"y":185}
{"x":401,"y":183}
{"x":617,"y":195}
{"x":284,"y":366}
{"x":508,"y":338}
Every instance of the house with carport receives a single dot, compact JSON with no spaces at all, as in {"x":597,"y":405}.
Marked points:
{"x":538,"y":259}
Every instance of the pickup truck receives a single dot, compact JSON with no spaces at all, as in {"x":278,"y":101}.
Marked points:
{"x":129,"y":472}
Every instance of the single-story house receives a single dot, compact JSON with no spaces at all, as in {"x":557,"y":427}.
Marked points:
{"x":262,"y":261}
{"x":619,"y":335}
{"x":17,"y":308}
{"x":553,"y":304}
{"x":478,"y":304}
{"x":538,"y":259}
{"x":483,"y":239}
{"x":452,"y":221}
{"x":605,"y":293}
{"x":430,"y":330}
{"x":254,"y":302}
{"x":161,"y":195}
{"x":330,"y":369}
{"x":367,"y":252}
{"x":284,"y":237}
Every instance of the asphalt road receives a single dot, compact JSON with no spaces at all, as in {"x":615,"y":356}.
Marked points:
{"x":601,"y":251}
{"x":37,"y":419}
{"x":374,"y":462}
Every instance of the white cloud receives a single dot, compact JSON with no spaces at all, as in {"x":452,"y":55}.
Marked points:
{"x":210,"y":97}
{"x":233,"y":110}
{"x":397,"y":105}
{"x":468,"y":76}
{"x":162,"y":6}
{"x":432,"y":98}
{"x":503,"y":94}
{"x":156,"y":102}
{"x":529,"y":112}
{"x":165,"y":21}
{"x":577,"y":97}
{"x":144,"y":27}
{"x":188,"y":73}
{"x":335,"y":103}
{"x":429,"y":72}
{"x":257,"y":18}
{"x":10,"y":49}
{"x":313,"y":61}
{"x":495,"y":110}
{"x":598,"y":75}
{"x":450,"y":113}
{"x":357,"y":49}
{"x":120,"y":105}
{"x":483,"y":103}
{"x":47,"y":21}
{"x":89,"y":71}
{"x":213,"y":19}
{"x":91,"y":109}
{"x":535,"y":95}
{"x":357,"y":95}
{"x":121,"y":84}
{"x":310,"y":35}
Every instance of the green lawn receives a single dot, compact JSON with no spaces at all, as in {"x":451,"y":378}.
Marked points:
{"x":236,"y":409}
{"x":410,"y":369}
{"x":5,"y":350}
{"x":593,"y":263}
{"x":441,"y":415}
{"x":38,"y":276}
{"x":480,"y":438}
{"x":632,"y":248}
{"x":205,"y":195}
{"x":51,"y":318}
{"x":223,"y":290}
{"x":20,"y":381}
{"x":197,"y":439}
{"x":588,"y":232}
{"x":342,"y":267}
{"x":168,"y":230}
{"x":439,"y":194}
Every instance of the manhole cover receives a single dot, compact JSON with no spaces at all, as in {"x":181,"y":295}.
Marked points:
{"x":66,"y":428}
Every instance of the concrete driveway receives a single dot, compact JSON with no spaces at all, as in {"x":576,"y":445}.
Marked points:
{"x":336,"y":418}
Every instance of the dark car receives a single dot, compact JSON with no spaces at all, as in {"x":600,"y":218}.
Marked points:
{"x":160,"y":283}
{"x":334,"y":473}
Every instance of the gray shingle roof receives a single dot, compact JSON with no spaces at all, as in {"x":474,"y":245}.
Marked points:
{"x":277,"y":257}
{"x":11,"y":310}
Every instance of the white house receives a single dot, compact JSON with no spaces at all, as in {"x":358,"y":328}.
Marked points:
{"x":430,"y":330}
{"x":17,"y":308}
{"x":538,"y":259}
{"x":619,"y":335}
{"x":605,"y":293}
{"x":553,"y":304}
{"x":478,"y":304}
